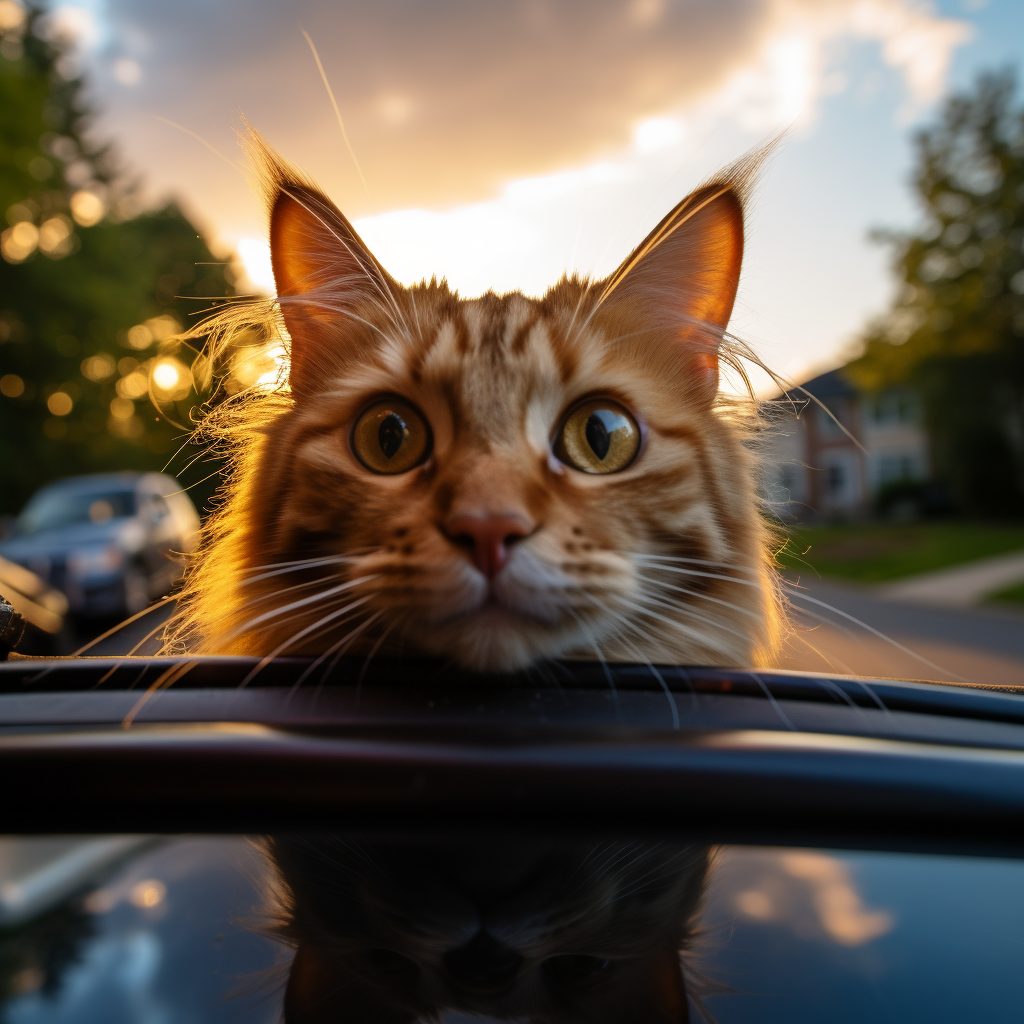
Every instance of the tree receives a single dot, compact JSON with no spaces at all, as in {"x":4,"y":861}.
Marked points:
{"x":89,"y":286}
{"x":956,"y":330}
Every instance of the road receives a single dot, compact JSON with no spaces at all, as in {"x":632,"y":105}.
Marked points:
{"x":917,"y":641}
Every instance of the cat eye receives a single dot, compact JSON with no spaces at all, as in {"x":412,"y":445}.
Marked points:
{"x":598,"y":436}
{"x":391,"y":437}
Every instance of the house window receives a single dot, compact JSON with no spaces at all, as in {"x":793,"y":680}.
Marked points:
{"x":835,"y":480}
{"x":900,"y":466}
{"x":827,"y":424}
{"x":894,"y":407}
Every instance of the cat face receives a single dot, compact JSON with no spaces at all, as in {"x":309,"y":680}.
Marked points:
{"x":501,"y":479}
{"x":547,"y":933}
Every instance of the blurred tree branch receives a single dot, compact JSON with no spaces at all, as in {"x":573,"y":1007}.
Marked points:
{"x":956,"y":329}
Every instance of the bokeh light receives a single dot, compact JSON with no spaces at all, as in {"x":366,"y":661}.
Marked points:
{"x":56,"y":237}
{"x":148,"y":893}
{"x":87,"y":208}
{"x":60,"y":403}
{"x":11,"y":386}
{"x":98,"y":367}
{"x":171,"y":378}
{"x":17,"y":243}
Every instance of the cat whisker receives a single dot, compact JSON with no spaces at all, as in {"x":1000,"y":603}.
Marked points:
{"x":301,"y":603}
{"x":732,"y":566}
{"x":346,"y":639}
{"x":657,"y":675}
{"x":306,"y":563}
{"x":678,"y":606}
{"x":707,"y":575}
{"x":679,"y":626}
{"x":776,"y":707}
{"x":600,"y":656}
{"x":329,"y":617}
{"x":794,"y":592}
{"x":698,"y":594}
{"x":366,"y":661}
{"x":276,"y":595}
{"x":340,"y":650}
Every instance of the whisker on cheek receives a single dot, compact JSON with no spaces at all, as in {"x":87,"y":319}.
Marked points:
{"x":298,"y":566}
{"x":700,"y":595}
{"x":303,"y":602}
{"x":295,"y":637}
{"x":337,"y":649}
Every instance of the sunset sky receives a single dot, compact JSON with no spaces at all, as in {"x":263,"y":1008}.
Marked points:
{"x":505,"y":142}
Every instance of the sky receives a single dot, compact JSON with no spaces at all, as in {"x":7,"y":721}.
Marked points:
{"x":500,"y":143}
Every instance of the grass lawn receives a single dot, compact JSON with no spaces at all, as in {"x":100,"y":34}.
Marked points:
{"x":873,"y":553}
{"x":1011,"y":595}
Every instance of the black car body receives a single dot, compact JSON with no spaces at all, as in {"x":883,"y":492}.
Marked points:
{"x":111,"y":542}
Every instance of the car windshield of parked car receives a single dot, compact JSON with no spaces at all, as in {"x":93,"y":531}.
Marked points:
{"x":56,"y":509}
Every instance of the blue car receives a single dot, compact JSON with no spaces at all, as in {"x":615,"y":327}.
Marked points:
{"x":112,"y":542}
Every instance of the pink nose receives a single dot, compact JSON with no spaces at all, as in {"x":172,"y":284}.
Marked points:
{"x":488,"y":538}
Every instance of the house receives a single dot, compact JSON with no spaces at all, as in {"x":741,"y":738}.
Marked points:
{"x":832,"y":448}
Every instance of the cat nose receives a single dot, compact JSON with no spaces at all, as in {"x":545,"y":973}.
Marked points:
{"x":483,"y":965}
{"x":488,"y":537}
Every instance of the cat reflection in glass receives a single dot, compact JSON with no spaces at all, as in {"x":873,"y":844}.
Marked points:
{"x":539,"y":933}
{"x":496,"y":480}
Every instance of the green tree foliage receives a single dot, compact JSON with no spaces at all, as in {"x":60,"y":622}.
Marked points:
{"x":89,"y":285}
{"x":956,"y":331}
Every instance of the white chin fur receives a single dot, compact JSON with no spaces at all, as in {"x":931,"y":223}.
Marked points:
{"x":493,"y":640}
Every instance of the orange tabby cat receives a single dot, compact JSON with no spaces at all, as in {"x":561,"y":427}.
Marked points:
{"x":556,"y":932}
{"x":495,"y":480}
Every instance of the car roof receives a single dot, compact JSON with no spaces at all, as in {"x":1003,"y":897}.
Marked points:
{"x":207,"y":744}
{"x":160,"y":483}
{"x":94,"y":481}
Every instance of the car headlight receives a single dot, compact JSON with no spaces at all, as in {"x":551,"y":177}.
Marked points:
{"x":86,"y":561}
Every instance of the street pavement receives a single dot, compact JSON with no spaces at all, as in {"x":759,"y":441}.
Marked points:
{"x":841,"y":627}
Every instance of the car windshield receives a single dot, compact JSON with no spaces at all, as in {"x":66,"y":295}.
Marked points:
{"x":55,"y":509}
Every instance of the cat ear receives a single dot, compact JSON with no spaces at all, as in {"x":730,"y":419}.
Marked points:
{"x":326,"y":277}
{"x":682,"y":278}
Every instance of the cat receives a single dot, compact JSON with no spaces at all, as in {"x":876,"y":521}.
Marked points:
{"x":496,"y":480}
{"x":558,"y":932}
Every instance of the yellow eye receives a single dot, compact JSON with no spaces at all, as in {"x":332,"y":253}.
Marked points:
{"x":391,"y":437}
{"x":598,"y":437}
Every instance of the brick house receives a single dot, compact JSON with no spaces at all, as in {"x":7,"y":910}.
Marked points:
{"x":815,"y":468}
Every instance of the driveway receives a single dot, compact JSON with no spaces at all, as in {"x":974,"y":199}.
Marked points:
{"x":845,"y":628}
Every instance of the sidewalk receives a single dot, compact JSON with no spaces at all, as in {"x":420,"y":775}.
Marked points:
{"x":959,"y":587}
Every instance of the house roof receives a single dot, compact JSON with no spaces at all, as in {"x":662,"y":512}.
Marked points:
{"x":834,"y":384}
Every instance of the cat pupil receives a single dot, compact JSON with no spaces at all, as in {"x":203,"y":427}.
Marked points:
{"x":597,"y":435}
{"x":391,"y":434}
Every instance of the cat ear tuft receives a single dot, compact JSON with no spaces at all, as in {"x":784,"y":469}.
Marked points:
{"x":326,"y":277}
{"x":682,"y":278}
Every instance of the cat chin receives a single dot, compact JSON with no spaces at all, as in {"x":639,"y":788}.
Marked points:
{"x":493,"y":638}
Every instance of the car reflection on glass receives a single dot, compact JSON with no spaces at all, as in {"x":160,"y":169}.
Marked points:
{"x":111,"y":542}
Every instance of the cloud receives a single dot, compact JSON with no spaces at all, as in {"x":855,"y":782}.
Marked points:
{"x":812,"y":894}
{"x":447,"y":101}
{"x":505,"y":142}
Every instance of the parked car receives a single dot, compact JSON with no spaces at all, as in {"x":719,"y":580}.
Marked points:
{"x":112,"y":542}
